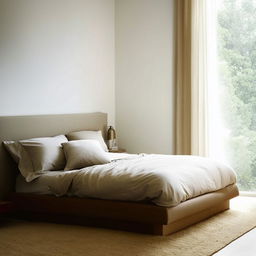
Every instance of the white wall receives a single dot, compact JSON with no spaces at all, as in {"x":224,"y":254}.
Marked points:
{"x":57,"y":56}
{"x":144,"y":75}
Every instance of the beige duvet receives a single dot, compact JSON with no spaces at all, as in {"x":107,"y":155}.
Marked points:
{"x":163,"y":179}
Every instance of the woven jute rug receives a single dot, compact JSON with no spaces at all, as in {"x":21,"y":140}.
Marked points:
{"x":19,"y":238}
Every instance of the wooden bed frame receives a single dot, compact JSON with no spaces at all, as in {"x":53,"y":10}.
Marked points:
{"x":130,"y":216}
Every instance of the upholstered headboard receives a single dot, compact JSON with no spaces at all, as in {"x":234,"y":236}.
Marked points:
{"x":25,"y":127}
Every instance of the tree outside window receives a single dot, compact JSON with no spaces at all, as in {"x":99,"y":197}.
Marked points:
{"x":236,"y":39}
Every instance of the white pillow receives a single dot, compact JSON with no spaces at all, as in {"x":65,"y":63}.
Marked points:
{"x":37,"y":155}
{"x":88,"y":135}
{"x":83,"y":153}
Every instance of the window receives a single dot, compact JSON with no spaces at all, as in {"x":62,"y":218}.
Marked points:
{"x":232,"y":101}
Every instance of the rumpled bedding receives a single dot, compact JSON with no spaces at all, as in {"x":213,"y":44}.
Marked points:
{"x":165,"y":180}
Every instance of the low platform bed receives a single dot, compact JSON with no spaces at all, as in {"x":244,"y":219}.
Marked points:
{"x":124,"y":215}
{"x":130,"y":216}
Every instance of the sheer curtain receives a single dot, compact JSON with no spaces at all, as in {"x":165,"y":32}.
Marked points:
{"x":193,"y":31}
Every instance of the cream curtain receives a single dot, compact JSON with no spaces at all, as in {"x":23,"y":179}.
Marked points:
{"x":191,"y":77}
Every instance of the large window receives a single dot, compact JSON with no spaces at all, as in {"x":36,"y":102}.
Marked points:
{"x":233,"y":94}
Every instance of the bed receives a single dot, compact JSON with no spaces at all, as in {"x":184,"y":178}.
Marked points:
{"x":142,"y":216}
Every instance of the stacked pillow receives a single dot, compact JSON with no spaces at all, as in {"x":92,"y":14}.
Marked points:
{"x":88,"y":135}
{"x":34,"y":156}
{"x":37,"y":155}
{"x":85,"y":148}
{"x":83,"y":153}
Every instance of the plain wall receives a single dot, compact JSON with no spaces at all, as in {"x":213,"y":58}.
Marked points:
{"x":57,"y":56}
{"x":144,"y":75}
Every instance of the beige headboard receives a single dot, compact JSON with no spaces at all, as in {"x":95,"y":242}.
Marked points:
{"x":25,"y":127}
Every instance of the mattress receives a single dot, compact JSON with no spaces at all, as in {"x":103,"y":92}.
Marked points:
{"x":162,"y":179}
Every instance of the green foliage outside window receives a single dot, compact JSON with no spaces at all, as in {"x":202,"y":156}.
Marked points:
{"x":237,"y":68}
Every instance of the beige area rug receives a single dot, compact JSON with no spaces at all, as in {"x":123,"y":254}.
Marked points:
{"x":41,"y":239}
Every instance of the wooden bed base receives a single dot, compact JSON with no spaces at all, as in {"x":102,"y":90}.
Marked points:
{"x":129,"y":216}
